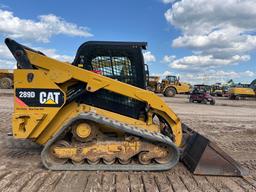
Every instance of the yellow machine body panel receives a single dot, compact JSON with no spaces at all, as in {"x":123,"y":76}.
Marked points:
{"x":178,"y":86}
{"x":183,"y":88}
{"x":242,"y":91}
{"x":30,"y":121}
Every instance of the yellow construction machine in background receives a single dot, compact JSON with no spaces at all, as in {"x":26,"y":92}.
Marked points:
{"x":217,"y":90}
{"x":169,"y":86}
{"x":96,"y":114}
{"x":6,"y":78}
{"x":242,"y":91}
{"x":154,"y":84}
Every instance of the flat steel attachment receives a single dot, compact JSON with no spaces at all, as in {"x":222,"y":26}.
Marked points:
{"x":203,"y":157}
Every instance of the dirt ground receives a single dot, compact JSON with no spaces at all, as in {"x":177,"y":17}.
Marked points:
{"x":231,"y":124}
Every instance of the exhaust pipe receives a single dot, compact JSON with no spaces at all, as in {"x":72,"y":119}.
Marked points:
{"x":203,"y":157}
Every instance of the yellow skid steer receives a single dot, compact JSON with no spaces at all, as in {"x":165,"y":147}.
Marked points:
{"x":96,"y":114}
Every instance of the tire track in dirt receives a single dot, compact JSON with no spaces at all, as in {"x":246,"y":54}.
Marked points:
{"x":163,"y":183}
{"x":176,"y":182}
{"x":247,"y":186}
{"x":108,"y":182}
{"x":72,"y":181}
{"x":136,"y":182}
{"x":149,"y":183}
{"x":20,"y":182}
{"x":50,"y":182}
{"x":7,"y":180}
{"x":122,"y":182}
{"x":36,"y":182}
{"x":94,"y":183}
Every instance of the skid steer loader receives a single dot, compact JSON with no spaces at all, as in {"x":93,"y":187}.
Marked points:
{"x":95,"y":114}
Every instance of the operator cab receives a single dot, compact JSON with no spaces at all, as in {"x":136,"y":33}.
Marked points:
{"x":122,"y":61}
{"x":171,"y":79}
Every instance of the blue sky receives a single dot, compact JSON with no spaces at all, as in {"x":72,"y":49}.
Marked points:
{"x":182,"y":38}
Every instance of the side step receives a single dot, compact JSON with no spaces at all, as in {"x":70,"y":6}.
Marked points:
{"x":203,"y":157}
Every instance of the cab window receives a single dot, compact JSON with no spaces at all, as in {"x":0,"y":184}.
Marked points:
{"x":171,"y":78}
{"x":116,"y":67}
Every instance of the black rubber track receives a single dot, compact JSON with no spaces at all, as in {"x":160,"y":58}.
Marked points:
{"x":153,"y":137}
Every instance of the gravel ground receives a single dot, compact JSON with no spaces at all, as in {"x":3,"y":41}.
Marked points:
{"x":231,"y":124}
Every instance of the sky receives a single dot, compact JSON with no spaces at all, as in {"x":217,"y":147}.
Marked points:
{"x":202,"y":41}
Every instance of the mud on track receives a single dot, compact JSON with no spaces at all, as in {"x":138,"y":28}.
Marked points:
{"x":231,"y":124}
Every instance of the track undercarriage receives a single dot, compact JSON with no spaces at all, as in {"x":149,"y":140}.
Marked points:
{"x":89,"y":142}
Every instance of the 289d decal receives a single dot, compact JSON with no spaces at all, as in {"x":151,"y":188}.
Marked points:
{"x":40,"y":97}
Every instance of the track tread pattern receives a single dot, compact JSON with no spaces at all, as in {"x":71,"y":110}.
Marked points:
{"x":154,"y":137}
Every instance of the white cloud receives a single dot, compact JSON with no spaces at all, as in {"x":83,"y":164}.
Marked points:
{"x":249,"y":73}
{"x":205,"y":16}
{"x":149,"y":57}
{"x":53,"y":54}
{"x":4,"y":52}
{"x":220,"y":32}
{"x":162,"y":75}
{"x":213,"y":76}
{"x":166,"y":73}
{"x":168,"y":58}
{"x":197,"y":62}
{"x":221,"y":43}
{"x":41,"y":30}
{"x":7,"y":60}
{"x":7,"y":63}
